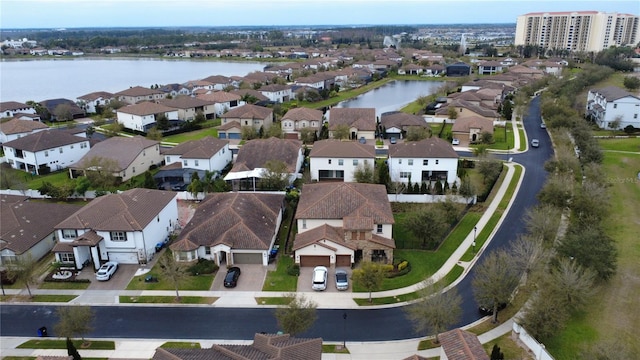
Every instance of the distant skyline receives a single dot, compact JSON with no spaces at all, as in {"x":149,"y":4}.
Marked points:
{"x":165,"y":13}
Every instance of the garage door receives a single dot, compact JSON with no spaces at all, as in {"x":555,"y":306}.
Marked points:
{"x":124,"y":258}
{"x":242,"y":258}
{"x":314,"y":261}
{"x":343,"y":260}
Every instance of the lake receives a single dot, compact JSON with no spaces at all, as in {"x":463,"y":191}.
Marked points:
{"x":23,"y":80}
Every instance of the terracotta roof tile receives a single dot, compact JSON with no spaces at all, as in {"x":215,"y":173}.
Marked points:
{"x":337,"y":148}
{"x":363,"y":119}
{"x":467,"y":123}
{"x":401,"y":120}
{"x":462,"y":345}
{"x":328,"y":232}
{"x":219,"y":97}
{"x":12,"y":105}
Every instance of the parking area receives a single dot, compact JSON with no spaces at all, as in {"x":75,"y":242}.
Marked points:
{"x":306,"y":273}
{"x":251,"y":278}
{"x":119,"y":281}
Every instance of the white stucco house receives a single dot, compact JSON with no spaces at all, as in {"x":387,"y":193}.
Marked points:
{"x":9,"y":109}
{"x":276,"y":92}
{"x":208,"y":153}
{"x":301,"y":118}
{"x":222,"y":101}
{"x":121,"y":227}
{"x":15,"y":129}
{"x":338,"y":160}
{"x":90,"y":102}
{"x":612,"y":103}
{"x":142,"y":116}
{"x":431,"y":159}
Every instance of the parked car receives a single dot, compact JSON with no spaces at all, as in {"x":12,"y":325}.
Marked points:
{"x":342,"y":280}
{"x":535,"y":143}
{"x":231,"y":279}
{"x":455,"y":141}
{"x":488,"y":310}
{"x":392,"y":140}
{"x":362,"y":140}
{"x":319,"y":280}
{"x":106,"y":271}
{"x":543,"y":126}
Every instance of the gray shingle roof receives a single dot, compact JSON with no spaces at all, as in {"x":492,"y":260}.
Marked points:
{"x":145,"y":108}
{"x":466,"y":123}
{"x":138,"y":91}
{"x":303,"y":113}
{"x":401,"y":120}
{"x":44,"y":140}
{"x":428,"y":148}
{"x":248,"y":111}
{"x":612,"y":93}
{"x":337,"y":148}
{"x":203,"y":148}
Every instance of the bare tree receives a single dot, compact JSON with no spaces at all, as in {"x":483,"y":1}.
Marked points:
{"x":572,"y":283}
{"x":369,"y":275}
{"x":63,"y":112}
{"x":172,"y":270}
{"x":74,"y":321}
{"x":298,"y":316}
{"x":100,"y":171}
{"x":529,"y":256}
{"x":543,"y":221}
{"x":494,"y":281}
{"x":25,"y":272}
{"x":417,"y":133}
{"x":429,"y":225}
{"x":436,"y":310}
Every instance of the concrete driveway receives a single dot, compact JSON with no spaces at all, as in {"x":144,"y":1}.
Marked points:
{"x":251,"y":278}
{"x":118,"y":281}
{"x":306,"y":273}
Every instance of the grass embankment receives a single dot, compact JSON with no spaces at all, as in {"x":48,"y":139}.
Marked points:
{"x":167,"y":300}
{"x":62,"y":344}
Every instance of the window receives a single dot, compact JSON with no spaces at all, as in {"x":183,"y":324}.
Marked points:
{"x":185,"y":162}
{"x":425,"y":162}
{"x":615,"y":106}
{"x":72,"y":146}
{"x":66,"y":257}
{"x":399,"y":161}
{"x":207,"y":250}
{"x":355,"y":162}
{"x":340,"y":162}
{"x":69,"y":233}
{"x":118,"y":236}
{"x":437,"y":161}
{"x":410,"y":162}
{"x":329,"y":161}
{"x":133,"y":169}
{"x":60,"y":150}
{"x":379,"y":228}
{"x":196,"y":162}
{"x":83,"y":145}
{"x":168,"y":159}
{"x":404,"y":174}
{"x":46,"y":153}
{"x":304,"y":223}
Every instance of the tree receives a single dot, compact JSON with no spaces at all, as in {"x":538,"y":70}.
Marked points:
{"x":481,"y":151}
{"x":507,"y":109}
{"x":63,"y":112}
{"x":115,"y":129}
{"x":275,"y":130}
{"x":467,"y":190}
{"x":529,"y":256}
{"x":364,"y":173}
{"x":486,"y":137}
{"x":248,"y":133}
{"x":275,"y":175}
{"x":72,"y":351}
{"x":25,"y":272}
{"x":298,"y":316}
{"x":199,"y":118}
{"x":494,"y":281}
{"x":417,"y":133}
{"x":369,"y":276}
{"x":195,"y":186}
{"x":172,"y":270}
{"x":557,"y":191}
{"x":162,"y":121}
{"x":154,"y":134}
{"x":615,"y":124}
{"x":341,"y":132}
{"x":632,"y":83}
{"x":307,"y":135}
{"x":57,"y":192}
{"x":82,"y":185}
{"x":591,"y":247}
{"x":149,"y":181}
{"x":428,"y":225}
{"x":74,"y":321}
{"x":572,"y":284}
{"x":100,"y":172}
{"x":489,"y":169}
{"x":435,"y":311}
{"x":90,"y":130}
{"x":543,"y":221}
{"x":496,"y":354}
{"x":452,"y":112}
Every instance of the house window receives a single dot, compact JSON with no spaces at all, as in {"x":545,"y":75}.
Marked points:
{"x":69,"y":233}
{"x":379,"y":228}
{"x":410,"y":162}
{"x":399,"y":161}
{"x":378,"y":255}
{"x":437,"y":161}
{"x":615,"y":106}
{"x":83,"y":145}
{"x":9,"y":259}
{"x":133,"y":169}
{"x":635,"y":116}
{"x":168,"y":159}
{"x":66,"y":257}
{"x":118,"y":236}
{"x":46,"y":153}
{"x":405,"y":174}
{"x":207,"y":250}
{"x":340,"y":162}
{"x":72,"y":146}
{"x":185,"y":162}
{"x":329,"y":161}
{"x":425,"y":162}
{"x":196,"y":162}
{"x":60,"y":150}
{"x":304,"y":223}
{"x":355,"y":162}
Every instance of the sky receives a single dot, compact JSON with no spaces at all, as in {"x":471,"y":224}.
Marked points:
{"x":166,"y":13}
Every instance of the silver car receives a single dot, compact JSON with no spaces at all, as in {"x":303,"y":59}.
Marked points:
{"x":342,"y":280}
{"x":106,"y":271}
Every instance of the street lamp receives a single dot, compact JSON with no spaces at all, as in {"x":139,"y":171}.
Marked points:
{"x":473,"y":244}
{"x":344,"y":331}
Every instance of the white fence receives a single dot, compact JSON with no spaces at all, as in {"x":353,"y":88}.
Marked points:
{"x":426,"y":198}
{"x":537,"y":349}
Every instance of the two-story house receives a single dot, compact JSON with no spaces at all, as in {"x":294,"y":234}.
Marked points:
{"x":300,"y":118}
{"x":342,"y":223}
{"x":14,"y":129}
{"x":276,"y":93}
{"x":361,"y":122}
{"x":246,"y":115}
{"x":9,"y":109}
{"x":431,"y":159}
{"x":136,"y":94}
{"x":613,"y":104}
{"x":45,"y":151}
{"x":222,"y":102}
{"x":189,"y":107}
{"x":339,"y":160}
{"x":121,"y":227}
{"x":92,"y":102}
{"x":143,"y":116}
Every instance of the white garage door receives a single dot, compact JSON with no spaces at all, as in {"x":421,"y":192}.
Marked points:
{"x":124,"y":258}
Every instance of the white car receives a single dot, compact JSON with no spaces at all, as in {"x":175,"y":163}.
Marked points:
{"x":535,"y":143}
{"x":319,"y":278}
{"x":455,"y":142}
{"x":106,"y":271}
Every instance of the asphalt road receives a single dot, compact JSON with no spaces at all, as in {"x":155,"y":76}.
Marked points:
{"x":204,"y":322}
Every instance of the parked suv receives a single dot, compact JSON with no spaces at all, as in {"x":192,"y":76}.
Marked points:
{"x":319,"y":278}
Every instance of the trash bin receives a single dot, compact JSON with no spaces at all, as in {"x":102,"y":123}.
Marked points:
{"x":42,"y":332}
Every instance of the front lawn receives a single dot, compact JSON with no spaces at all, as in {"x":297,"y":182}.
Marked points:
{"x":62,"y":344}
{"x":280,"y":280}
{"x":192,"y":135}
{"x":166,"y":300}
{"x":200,"y":282}
{"x":628,"y":144}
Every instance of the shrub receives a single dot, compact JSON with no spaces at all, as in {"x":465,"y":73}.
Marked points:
{"x":294,"y":270}
{"x":403,"y":265}
{"x":387,"y":267}
{"x":203,"y":266}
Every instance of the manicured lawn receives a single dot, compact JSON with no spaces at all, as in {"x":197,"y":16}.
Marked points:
{"x":192,"y":135}
{"x":36,"y":181}
{"x":37,"y":298}
{"x":167,"y":300}
{"x":64,"y":285}
{"x":503,"y":139}
{"x":629,"y":144}
{"x":508,"y":347}
{"x":334,"y":349}
{"x":180,"y":345}
{"x":62,"y":344}
{"x":523,"y":140}
{"x":279,"y":280}
{"x":345,"y":94}
{"x":273,"y":300}
{"x":200,"y":282}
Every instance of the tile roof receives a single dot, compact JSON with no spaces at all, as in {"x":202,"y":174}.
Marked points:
{"x":478,"y":109}
{"x":185,"y":102}
{"x":96,"y":95}
{"x":255,"y":153}
{"x":274,"y":88}
{"x":44,"y":140}
{"x":52,"y":104}
{"x":248,"y":111}
{"x":363,"y":119}
{"x":428,"y":148}
{"x":401,"y":120}
{"x":326,"y":231}
{"x":612,"y":93}
{"x":255,"y":93}
{"x":138,"y":91}
{"x":204,"y":148}
{"x":218,"y":97}
{"x":459,"y":344}
{"x":131,"y":210}
{"x":340,"y":200}
{"x":145,"y":108}
{"x":12,"y":105}
{"x":338,"y":148}
{"x":217,"y":79}
{"x":16,"y":126}
{"x":467,"y":123}
{"x":26,"y":223}
{"x":124,"y":150}
{"x":303,"y":113}
{"x":239,"y":220}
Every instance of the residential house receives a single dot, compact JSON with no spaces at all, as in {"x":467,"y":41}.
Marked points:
{"x":411,"y":69}
{"x":52,"y":105}
{"x":136,"y":94}
{"x":458,"y":69}
{"x":189,"y":107}
{"x":248,"y":115}
{"x":27,"y":230}
{"x":613,"y":105}
{"x":45,"y":151}
{"x":490,"y":67}
{"x":313,"y":81}
{"x":469,"y":129}
{"x":231,"y":130}
{"x":360,"y":121}
{"x":277,"y":93}
{"x":255,"y":96}
{"x":195,"y":85}
{"x":175,"y":90}
{"x":219,"y":82}
{"x":465,"y":108}
{"x":427,"y":160}
{"x":458,"y":344}
{"x":122,"y":227}
{"x":232,"y":228}
{"x":92,"y":102}
{"x":301,"y":118}
{"x":14,"y":129}
{"x":9,"y":109}
{"x":130,"y":156}
{"x":339,"y":160}
{"x":265,"y":346}
{"x":340,"y":224}
{"x":396,"y":123}
{"x":253,"y":158}
{"x":143,"y":116}
{"x":222,"y":102}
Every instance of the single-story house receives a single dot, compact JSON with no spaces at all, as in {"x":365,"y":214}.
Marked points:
{"x":397,"y":123}
{"x":468,"y":129}
{"x":52,"y":104}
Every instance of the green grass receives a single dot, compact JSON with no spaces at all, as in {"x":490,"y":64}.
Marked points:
{"x":334,"y":349}
{"x":413,"y":107}
{"x":166,"y":300}
{"x":64,"y":285}
{"x":508,"y":347}
{"x":192,"y":135}
{"x":503,"y":140}
{"x":273,"y":300}
{"x":427,"y":344}
{"x":629,"y":144}
{"x":35,"y":181}
{"x":53,"y":298}
{"x":180,"y":345}
{"x":523,"y":139}
{"x":279,"y":280}
{"x":62,"y":344}
{"x":345,"y":95}
{"x":200,"y":282}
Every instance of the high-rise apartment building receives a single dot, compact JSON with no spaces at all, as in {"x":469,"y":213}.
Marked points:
{"x":577,"y":30}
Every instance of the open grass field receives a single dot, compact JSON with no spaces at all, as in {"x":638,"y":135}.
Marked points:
{"x":614,"y":314}
{"x":628,"y":144}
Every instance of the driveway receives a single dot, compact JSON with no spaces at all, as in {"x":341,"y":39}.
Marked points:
{"x":306,"y":273}
{"x":119,"y":280}
{"x":251,"y":278}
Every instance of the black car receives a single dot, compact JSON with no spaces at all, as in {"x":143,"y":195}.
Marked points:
{"x":488,"y":310}
{"x":231,"y":279}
